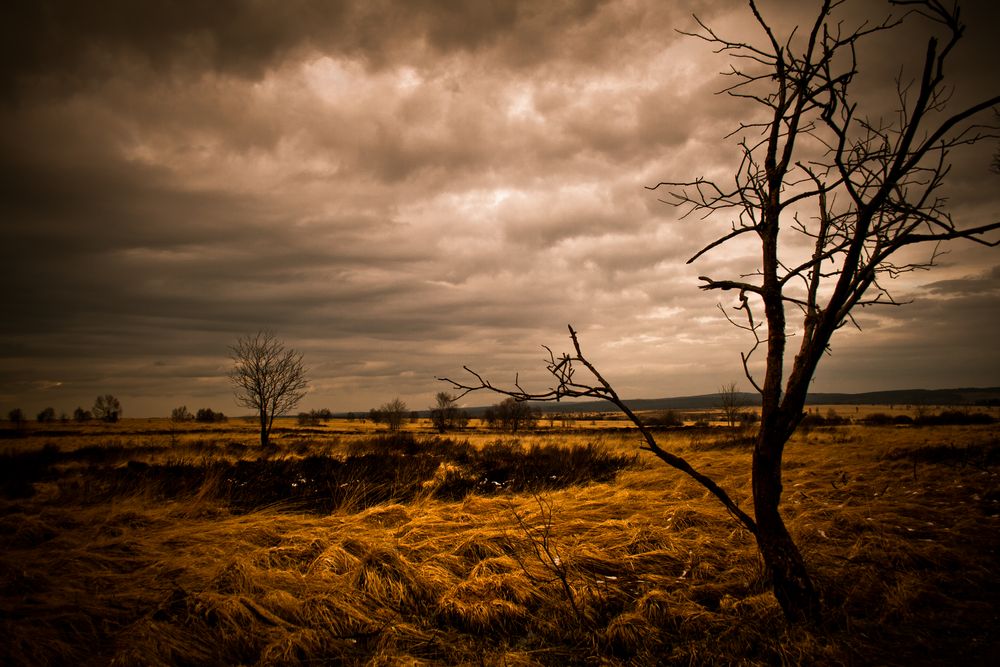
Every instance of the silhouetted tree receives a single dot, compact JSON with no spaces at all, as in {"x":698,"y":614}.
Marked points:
{"x":16,"y":418}
{"x":445,"y":414}
{"x":394,"y":413}
{"x":107,"y":408}
{"x":509,"y":415}
{"x":730,"y":402}
{"x":266,"y":378}
{"x":872,"y":183}
{"x":512,"y":415}
{"x":47,"y":415}
{"x":181,"y":414}
{"x":490,"y":417}
{"x":81,"y":415}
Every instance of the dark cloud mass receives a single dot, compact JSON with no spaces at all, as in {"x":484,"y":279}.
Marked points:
{"x":400,"y":188}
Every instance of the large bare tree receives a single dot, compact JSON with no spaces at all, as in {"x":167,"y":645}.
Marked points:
{"x":849,"y":188}
{"x":267,"y":378}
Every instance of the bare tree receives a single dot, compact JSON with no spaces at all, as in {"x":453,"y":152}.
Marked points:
{"x":512,"y":415}
{"x":394,"y":413}
{"x":181,"y":414}
{"x":16,"y":418}
{"x":107,"y":408}
{"x":445,"y":414}
{"x":730,"y":401}
{"x":857,"y":188}
{"x":267,"y":378}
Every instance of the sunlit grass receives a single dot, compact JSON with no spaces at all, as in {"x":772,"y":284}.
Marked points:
{"x":643,"y":568}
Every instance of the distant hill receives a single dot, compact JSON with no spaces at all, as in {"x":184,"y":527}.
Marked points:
{"x":962,"y":396}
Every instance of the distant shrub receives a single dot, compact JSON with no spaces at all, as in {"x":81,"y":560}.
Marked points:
{"x":314,"y":417}
{"x":207,"y":415}
{"x":883,"y":419}
{"x":307,"y":419}
{"x":878,"y":419}
{"x":814,"y":419}
{"x":664,"y":419}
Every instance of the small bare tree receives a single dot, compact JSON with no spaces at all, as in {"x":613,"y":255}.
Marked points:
{"x":730,"y":402}
{"x":444,"y":414}
{"x":853,"y":189}
{"x":267,"y":378}
{"x":394,"y":413}
{"x":16,"y":418}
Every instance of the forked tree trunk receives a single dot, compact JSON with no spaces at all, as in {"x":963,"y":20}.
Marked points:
{"x":786,"y":569}
{"x":790,"y":580}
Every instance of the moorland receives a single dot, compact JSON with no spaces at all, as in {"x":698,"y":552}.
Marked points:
{"x":148,"y":542}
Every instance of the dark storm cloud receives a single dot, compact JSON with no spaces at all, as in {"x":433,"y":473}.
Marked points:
{"x":78,"y":43}
{"x":396,"y":188}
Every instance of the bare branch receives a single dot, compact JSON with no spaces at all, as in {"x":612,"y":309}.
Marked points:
{"x":563,"y":370}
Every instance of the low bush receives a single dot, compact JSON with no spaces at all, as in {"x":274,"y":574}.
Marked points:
{"x":665,"y":419}
{"x":883,"y":419}
{"x":393,"y":467}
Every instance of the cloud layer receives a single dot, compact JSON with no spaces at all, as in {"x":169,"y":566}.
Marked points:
{"x":398,"y":189}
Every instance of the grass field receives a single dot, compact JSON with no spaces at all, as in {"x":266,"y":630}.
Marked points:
{"x":148,"y":543}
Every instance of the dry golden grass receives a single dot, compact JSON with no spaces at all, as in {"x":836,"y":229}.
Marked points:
{"x":901,"y":535}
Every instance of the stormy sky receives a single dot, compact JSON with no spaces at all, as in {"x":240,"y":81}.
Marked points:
{"x":400,"y":188}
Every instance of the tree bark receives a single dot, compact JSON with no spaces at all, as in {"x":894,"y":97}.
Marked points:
{"x":786,"y":569}
{"x":790,"y":580}
{"x":263,"y":430}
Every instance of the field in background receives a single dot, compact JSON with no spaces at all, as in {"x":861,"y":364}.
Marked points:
{"x":150,"y":543}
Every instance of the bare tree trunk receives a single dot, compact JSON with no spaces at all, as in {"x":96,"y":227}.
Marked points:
{"x":780,"y":412}
{"x":790,"y":579}
{"x":264,"y":429}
